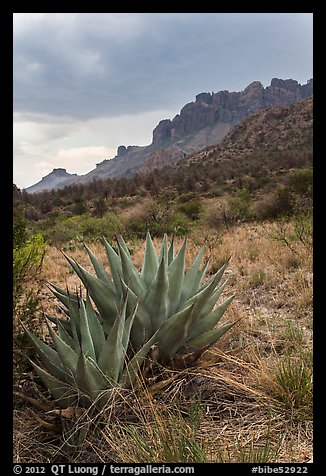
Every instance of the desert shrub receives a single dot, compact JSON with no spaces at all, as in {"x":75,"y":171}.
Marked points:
{"x":158,"y":217}
{"x":239,"y":206}
{"x":301,"y":182}
{"x":269,"y":207}
{"x":66,"y":229}
{"x":176,"y":225}
{"x":216,"y":215}
{"x":192,"y":209}
{"x":28,"y":253}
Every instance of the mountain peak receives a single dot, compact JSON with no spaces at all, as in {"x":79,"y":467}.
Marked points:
{"x":52,"y":181}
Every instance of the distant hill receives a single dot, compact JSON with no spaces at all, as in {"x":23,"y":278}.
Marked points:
{"x":204,"y":122}
{"x":56,"y":179}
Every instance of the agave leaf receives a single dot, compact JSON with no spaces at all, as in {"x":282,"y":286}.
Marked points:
{"x":73,"y":308}
{"x":63,"y":295}
{"x":131,"y":276}
{"x":134,"y":365}
{"x":64,"y":292}
{"x":207,"y":307}
{"x":150,"y":264}
{"x":66,"y":354}
{"x":164,"y":249}
{"x":100,"y":271}
{"x":122,"y":244}
{"x":173,"y":333}
{"x":112,"y":354}
{"x":95,"y":328}
{"x":200,"y":278}
{"x":127,"y":329}
{"x":218,"y":276}
{"x":207,"y":304}
{"x":48,"y":356}
{"x":206,"y":323}
{"x":66,"y":337}
{"x":202,"y":295}
{"x":115,"y":266}
{"x":103,"y":296}
{"x":89,"y":377}
{"x":64,"y":394}
{"x":176,"y":275}
{"x":171,"y":252}
{"x":190,"y":277}
{"x":86,"y":337}
{"x":141,"y":329}
{"x":156,"y":299}
{"x":208,"y":338}
{"x":62,"y":322}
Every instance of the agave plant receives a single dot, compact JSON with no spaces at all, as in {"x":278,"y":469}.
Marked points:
{"x":85,"y":364}
{"x":169,"y":302}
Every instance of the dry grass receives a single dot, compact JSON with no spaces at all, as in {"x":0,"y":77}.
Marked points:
{"x":247,"y":410}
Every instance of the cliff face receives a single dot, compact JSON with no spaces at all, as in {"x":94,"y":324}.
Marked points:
{"x":202,"y":123}
{"x":228,"y":107}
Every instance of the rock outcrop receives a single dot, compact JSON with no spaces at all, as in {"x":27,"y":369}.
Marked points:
{"x":228,"y":107}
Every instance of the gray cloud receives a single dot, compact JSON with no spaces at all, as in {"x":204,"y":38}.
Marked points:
{"x":102,"y":65}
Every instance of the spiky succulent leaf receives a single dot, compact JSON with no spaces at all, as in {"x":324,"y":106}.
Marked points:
{"x":208,"y":321}
{"x":67,"y":355}
{"x":141,"y":330}
{"x":104,"y":298}
{"x":131,"y":276}
{"x":99,"y":269}
{"x":64,"y":394}
{"x":89,"y":377}
{"x":171,"y":252}
{"x":176,"y":277}
{"x":173,"y":333}
{"x":85,"y":334}
{"x":164,"y":249}
{"x":63,"y":322}
{"x":134,"y":364}
{"x":115,"y":266}
{"x":48,"y":356}
{"x":208,"y":338}
{"x":189,"y":281}
{"x":63,"y":295}
{"x":150,"y":264}
{"x":66,"y":337}
{"x":122,"y":244}
{"x":95,"y":328}
{"x":112,"y":355}
{"x":156,"y":299}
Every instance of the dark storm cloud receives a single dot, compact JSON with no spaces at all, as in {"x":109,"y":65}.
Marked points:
{"x":96,"y":65}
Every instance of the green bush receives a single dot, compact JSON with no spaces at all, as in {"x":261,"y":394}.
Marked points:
{"x":191,"y":209}
{"x":176,"y":225}
{"x":301,"y":182}
{"x":67,"y":229}
{"x":28,"y":256}
{"x":239,"y":206}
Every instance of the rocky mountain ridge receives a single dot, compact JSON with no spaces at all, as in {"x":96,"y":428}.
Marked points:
{"x":201,"y":123}
{"x":282,"y":128}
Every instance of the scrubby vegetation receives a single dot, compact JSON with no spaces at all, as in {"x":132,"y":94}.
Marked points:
{"x":249,"y":396}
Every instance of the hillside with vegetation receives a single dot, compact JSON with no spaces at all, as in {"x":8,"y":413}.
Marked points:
{"x":246,"y":396}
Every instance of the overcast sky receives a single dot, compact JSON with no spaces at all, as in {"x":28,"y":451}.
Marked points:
{"x":85,"y":83}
